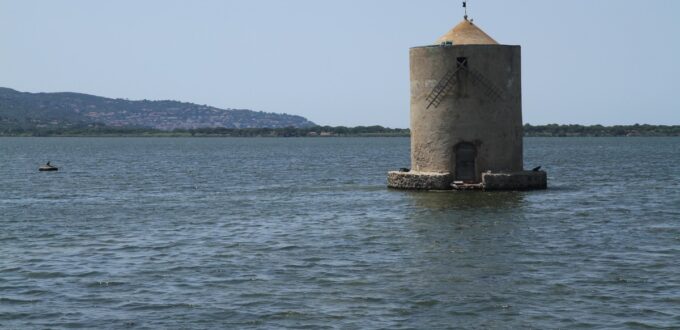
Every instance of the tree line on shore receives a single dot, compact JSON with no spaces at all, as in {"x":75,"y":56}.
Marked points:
{"x":552,"y":130}
{"x":599,"y":130}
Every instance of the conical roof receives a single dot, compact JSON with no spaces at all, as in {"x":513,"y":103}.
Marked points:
{"x":466,"y":33}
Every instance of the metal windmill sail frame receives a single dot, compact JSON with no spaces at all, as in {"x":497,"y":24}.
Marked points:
{"x":450,"y":80}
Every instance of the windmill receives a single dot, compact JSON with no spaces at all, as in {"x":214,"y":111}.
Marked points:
{"x":474,"y":140}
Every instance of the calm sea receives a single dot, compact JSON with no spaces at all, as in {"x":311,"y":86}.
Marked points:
{"x":302,"y":233}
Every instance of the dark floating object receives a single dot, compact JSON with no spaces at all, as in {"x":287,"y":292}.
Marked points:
{"x":404,"y":169}
{"x":537,"y":169}
{"x":48,"y":168}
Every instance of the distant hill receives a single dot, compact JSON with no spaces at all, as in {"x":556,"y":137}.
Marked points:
{"x":27,"y":111}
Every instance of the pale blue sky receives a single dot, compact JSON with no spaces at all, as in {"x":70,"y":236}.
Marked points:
{"x":343,"y":62}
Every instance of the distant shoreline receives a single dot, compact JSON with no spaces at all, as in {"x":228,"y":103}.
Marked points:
{"x":552,"y":130}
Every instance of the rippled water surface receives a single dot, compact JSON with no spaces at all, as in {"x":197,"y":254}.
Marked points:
{"x":302,"y":233}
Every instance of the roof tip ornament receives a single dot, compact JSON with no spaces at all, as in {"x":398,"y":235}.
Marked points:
{"x":466,"y":13}
{"x":465,"y":8}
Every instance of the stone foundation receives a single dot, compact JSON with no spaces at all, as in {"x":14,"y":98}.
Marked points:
{"x":522,"y":180}
{"x":419,"y":180}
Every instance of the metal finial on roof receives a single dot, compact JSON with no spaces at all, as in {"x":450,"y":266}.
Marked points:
{"x":465,"y":7}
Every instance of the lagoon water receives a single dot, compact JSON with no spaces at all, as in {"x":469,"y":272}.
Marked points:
{"x":302,"y":233}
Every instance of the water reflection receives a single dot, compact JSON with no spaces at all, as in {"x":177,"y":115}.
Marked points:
{"x":467,"y":200}
{"x":467,"y":248}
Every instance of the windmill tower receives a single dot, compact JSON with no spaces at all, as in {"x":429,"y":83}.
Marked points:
{"x":466,"y":114}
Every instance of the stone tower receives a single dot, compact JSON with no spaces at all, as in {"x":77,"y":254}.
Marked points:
{"x":466,"y":114}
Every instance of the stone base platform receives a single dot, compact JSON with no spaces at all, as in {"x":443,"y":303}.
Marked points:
{"x":419,"y":180}
{"x":522,"y":180}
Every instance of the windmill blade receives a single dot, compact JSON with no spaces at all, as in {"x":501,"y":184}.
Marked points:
{"x":493,"y":92}
{"x":443,"y":87}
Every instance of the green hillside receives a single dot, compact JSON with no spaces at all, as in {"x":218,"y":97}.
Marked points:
{"x":28,"y":111}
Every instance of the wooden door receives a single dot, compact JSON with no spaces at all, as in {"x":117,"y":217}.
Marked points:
{"x":466,"y":153}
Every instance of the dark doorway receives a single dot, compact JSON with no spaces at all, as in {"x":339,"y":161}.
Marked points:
{"x":465,"y":162}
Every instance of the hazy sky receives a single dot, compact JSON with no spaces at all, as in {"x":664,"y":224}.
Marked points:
{"x":343,"y":62}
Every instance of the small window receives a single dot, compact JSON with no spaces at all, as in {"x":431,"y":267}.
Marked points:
{"x":461,"y":62}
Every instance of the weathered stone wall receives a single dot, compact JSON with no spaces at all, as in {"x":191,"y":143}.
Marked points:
{"x":520,"y":180}
{"x":469,"y":112}
{"x":419,"y":181}
{"x":523,"y":180}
